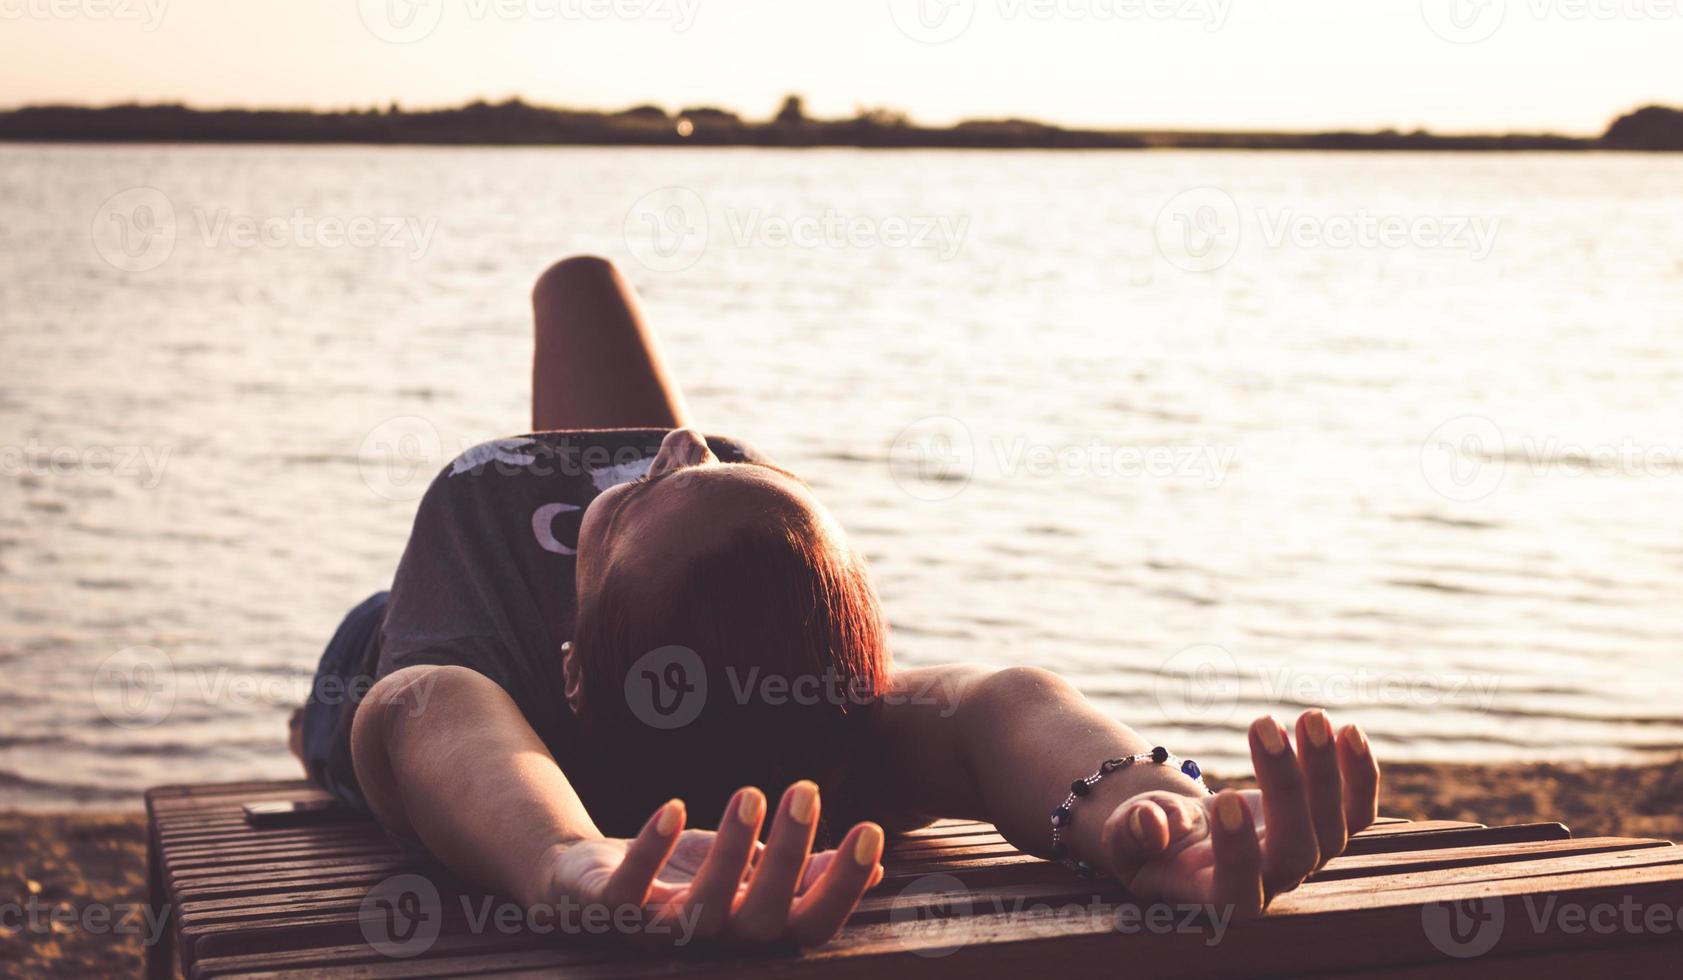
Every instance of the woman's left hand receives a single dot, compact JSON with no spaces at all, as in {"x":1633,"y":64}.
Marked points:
{"x":1237,"y":850}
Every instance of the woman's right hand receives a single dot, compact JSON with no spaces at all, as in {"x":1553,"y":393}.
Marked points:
{"x":724,"y":885}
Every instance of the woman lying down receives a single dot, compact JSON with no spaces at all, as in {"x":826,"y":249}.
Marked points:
{"x":615,"y":631}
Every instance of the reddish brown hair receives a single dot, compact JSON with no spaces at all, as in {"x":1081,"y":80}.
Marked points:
{"x":779,"y":599}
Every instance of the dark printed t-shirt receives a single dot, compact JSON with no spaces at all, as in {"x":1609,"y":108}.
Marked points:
{"x":487,"y":579}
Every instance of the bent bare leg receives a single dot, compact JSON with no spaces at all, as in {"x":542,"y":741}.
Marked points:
{"x":595,"y":363}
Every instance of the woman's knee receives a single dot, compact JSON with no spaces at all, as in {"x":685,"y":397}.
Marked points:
{"x":570,"y":276}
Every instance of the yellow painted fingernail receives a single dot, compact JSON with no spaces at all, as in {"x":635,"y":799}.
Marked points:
{"x":1231,"y":811}
{"x":1136,"y":823}
{"x":1269,"y":731}
{"x":749,"y":807}
{"x":1320,"y":730}
{"x":803,"y":800}
{"x":868,"y":847}
{"x":670,"y":814}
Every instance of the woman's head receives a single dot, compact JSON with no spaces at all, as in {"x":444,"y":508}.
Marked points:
{"x":727,"y":593}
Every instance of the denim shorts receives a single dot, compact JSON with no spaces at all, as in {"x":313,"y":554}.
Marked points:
{"x":341,"y":670}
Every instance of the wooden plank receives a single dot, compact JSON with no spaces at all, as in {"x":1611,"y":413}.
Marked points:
{"x":176,"y":792}
{"x":1540,"y":874}
{"x":452,"y":957}
{"x":1458,"y":837}
{"x":1636,"y":958}
{"x":274,"y":855}
{"x":883,"y":909}
{"x":214,"y":882}
{"x":1364,"y":930}
{"x":260,"y":890}
{"x":970,"y":892}
{"x":1415,"y":827}
{"x":1365,"y":866}
{"x":947,"y":851}
{"x":287,"y":902}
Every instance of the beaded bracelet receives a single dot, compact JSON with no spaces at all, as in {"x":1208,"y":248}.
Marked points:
{"x":1064,"y":813}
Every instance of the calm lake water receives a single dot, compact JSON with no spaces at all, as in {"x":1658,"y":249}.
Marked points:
{"x":1213,"y":434}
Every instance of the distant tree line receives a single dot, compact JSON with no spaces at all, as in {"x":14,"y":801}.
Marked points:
{"x":516,"y":122}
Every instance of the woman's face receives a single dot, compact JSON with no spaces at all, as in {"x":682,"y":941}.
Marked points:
{"x":688,"y":503}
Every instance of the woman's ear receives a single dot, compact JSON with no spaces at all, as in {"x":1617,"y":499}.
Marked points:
{"x":573,"y":674}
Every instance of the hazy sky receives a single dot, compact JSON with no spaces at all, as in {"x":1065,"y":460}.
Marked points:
{"x":1451,"y":65}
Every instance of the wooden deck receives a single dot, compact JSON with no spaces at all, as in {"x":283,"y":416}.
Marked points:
{"x":1409,"y":899}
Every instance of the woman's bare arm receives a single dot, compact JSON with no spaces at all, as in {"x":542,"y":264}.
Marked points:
{"x":444,"y":754}
{"x":1005,"y":745}
{"x":1002,"y":746}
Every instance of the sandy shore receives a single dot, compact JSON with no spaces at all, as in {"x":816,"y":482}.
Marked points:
{"x":77,"y":861}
